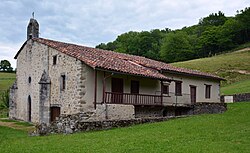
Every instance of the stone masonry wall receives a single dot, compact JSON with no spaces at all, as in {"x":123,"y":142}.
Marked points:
{"x":148,"y":111}
{"x":236,"y":97}
{"x":32,"y":61}
{"x":91,"y":121}
{"x":115,"y":111}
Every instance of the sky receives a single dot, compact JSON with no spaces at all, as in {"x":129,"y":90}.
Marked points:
{"x":91,"y":22}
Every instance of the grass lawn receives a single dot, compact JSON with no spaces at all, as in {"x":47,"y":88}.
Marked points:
{"x":227,"y":132}
{"x":235,"y":88}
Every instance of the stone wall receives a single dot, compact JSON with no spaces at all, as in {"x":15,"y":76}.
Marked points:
{"x":12,"y":102}
{"x":91,"y":120}
{"x":148,"y":111}
{"x":236,"y":97}
{"x":85,"y":122}
{"x":208,"y":108}
{"x":35,"y":59}
{"x":115,"y":111}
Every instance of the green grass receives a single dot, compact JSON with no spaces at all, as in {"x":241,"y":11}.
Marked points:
{"x":7,"y":120}
{"x":6,"y":80}
{"x":24,"y":123}
{"x":236,"y":88}
{"x":227,"y":132}
{"x":224,"y":65}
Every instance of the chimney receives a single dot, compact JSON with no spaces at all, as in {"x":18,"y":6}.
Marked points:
{"x":33,"y":29}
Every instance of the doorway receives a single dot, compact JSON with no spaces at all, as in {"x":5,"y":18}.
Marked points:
{"x":29,"y":108}
{"x":117,"y":90}
{"x":193,"y":94}
{"x":54,"y":112}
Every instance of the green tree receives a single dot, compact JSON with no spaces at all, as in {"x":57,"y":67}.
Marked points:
{"x":5,"y":66}
{"x":176,"y":47}
{"x":243,"y":17}
{"x":214,"y":19}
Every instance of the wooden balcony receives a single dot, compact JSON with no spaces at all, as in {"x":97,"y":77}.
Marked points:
{"x":132,"y":99}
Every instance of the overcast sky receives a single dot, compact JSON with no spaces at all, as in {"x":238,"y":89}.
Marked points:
{"x":90,"y":22}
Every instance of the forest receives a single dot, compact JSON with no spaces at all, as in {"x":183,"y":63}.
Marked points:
{"x":212,"y":35}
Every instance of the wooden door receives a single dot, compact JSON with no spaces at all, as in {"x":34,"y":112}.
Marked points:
{"x":117,"y":90}
{"x":193,"y":94}
{"x":54,"y":112}
{"x":134,"y":87}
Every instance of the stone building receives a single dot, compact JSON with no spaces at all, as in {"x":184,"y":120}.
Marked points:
{"x":55,"y":78}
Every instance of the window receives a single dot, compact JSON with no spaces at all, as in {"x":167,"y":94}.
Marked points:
{"x":178,"y":88}
{"x":135,"y":87}
{"x":54,"y":59}
{"x":165,"y":89}
{"x":63,"y":82}
{"x":29,"y":79}
{"x":207,"y":91}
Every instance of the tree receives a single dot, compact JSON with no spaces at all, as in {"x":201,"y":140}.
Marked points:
{"x":5,"y":66}
{"x":243,"y":17}
{"x":214,"y":19}
{"x":176,"y":47}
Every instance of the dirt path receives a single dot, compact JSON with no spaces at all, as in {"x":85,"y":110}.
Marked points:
{"x":13,"y":125}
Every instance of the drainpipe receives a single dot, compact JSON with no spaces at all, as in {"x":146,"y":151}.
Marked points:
{"x":95,"y":92}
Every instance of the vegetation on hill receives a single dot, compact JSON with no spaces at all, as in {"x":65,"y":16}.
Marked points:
{"x":227,"y":132}
{"x":213,"y":34}
{"x":6,"y":80}
{"x":234,"y":67}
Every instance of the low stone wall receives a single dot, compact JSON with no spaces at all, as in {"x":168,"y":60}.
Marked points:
{"x":208,"y":108}
{"x":115,"y":111}
{"x":148,"y":111}
{"x":242,"y":97}
{"x":91,"y":121}
{"x":236,"y":98}
{"x":79,"y":122}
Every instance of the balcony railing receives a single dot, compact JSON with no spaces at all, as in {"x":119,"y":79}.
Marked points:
{"x":132,"y":99}
{"x":146,"y":99}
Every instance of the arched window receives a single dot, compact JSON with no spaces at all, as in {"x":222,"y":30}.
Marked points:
{"x":29,"y":79}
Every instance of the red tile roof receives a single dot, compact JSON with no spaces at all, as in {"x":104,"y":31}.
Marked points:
{"x":120,"y":62}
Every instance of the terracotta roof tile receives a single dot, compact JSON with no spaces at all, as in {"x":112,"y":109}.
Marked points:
{"x":120,"y":62}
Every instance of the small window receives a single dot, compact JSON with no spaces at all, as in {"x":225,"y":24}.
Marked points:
{"x":178,"y":88}
{"x":165,"y":89}
{"x":63,"y":82}
{"x":135,"y":87}
{"x":54,"y":59}
{"x":29,"y":79}
{"x":208,"y":91}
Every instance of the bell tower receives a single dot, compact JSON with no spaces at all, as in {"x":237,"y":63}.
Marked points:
{"x":33,"y":28}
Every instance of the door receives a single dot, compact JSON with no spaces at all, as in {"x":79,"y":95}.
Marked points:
{"x":29,"y":108}
{"x":134,"y":90}
{"x":117,"y":90}
{"x":54,"y":112}
{"x":193,"y":94}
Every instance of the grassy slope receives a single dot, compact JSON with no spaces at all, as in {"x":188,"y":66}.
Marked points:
{"x":235,"y":88}
{"x":226,"y":66}
{"x":227,"y":132}
{"x":6,"y":80}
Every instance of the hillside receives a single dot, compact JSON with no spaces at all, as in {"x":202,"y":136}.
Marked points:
{"x":234,"y":67}
{"x":6,"y":80}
